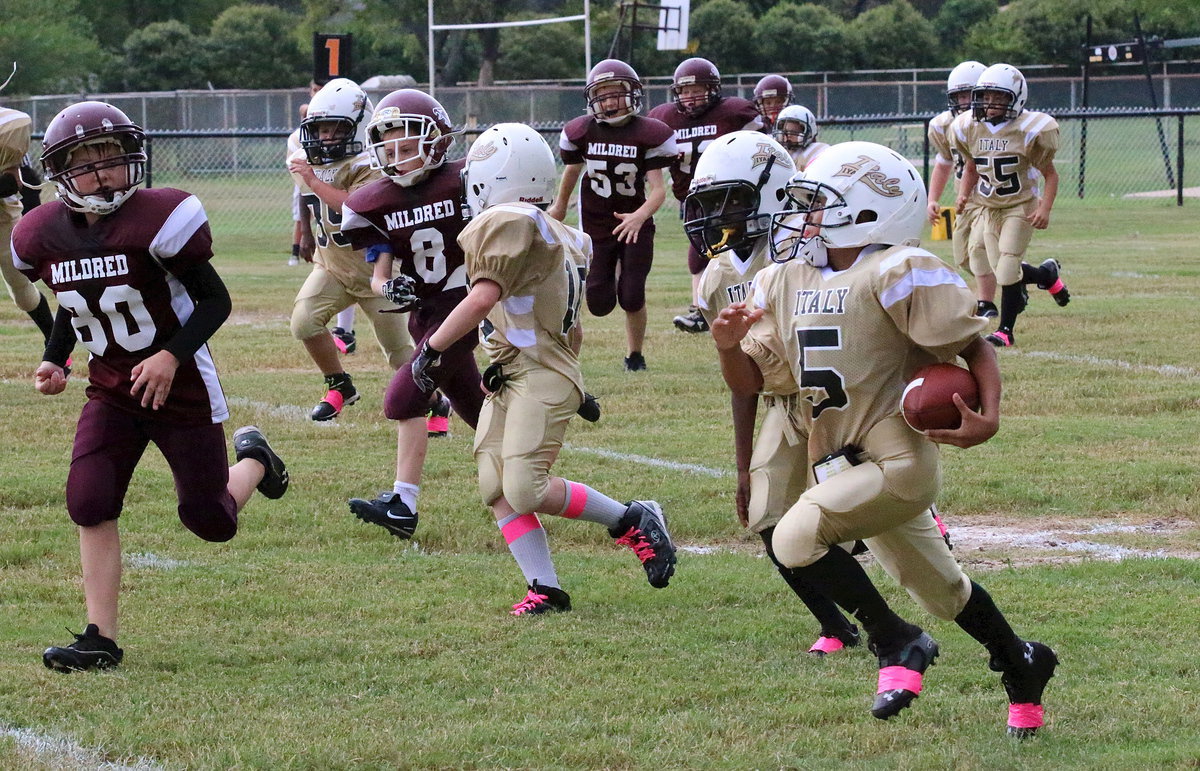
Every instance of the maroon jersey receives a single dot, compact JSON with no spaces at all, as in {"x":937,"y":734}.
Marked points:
{"x":119,"y":279}
{"x":420,"y":224}
{"x":617,"y":158}
{"x":694,"y":135}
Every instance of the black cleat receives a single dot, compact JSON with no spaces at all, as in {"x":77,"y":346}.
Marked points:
{"x":249,"y":442}
{"x":387,"y":511}
{"x":900,"y":675}
{"x":1002,"y":338}
{"x":1055,"y":286}
{"x":986,"y":310}
{"x":345,"y":341}
{"x":635,"y":362}
{"x":542,"y":599}
{"x":341,"y":393}
{"x":643,"y":528}
{"x":692,"y":321}
{"x":834,"y":641}
{"x":91,"y":650}
{"x":1024,"y":684}
{"x":438,"y":422}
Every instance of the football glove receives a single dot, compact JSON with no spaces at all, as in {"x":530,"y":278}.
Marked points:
{"x":589,"y":408}
{"x":421,"y":363}
{"x":401,"y":290}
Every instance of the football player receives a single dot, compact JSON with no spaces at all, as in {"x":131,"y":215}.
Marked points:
{"x":739,"y":184}
{"x":1007,"y":144}
{"x":946,"y":159}
{"x":135,"y":284}
{"x":527,"y":273}
{"x":771,"y":94}
{"x":332,"y":163}
{"x":15,"y":133}
{"x":796,"y":130}
{"x":624,"y":154}
{"x":698,"y":114}
{"x":852,"y":310}
{"x":409,"y":222}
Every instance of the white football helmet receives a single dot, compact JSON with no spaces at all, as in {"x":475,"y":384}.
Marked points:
{"x":509,"y":163}
{"x":343,"y":103}
{"x":795,"y":127}
{"x":852,"y":194}
{"x":962,"y":80}
{"x":738,"y":185}
{"x":1005,"y":79}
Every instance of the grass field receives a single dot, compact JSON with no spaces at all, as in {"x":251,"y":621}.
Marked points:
{"x":314,"y":641}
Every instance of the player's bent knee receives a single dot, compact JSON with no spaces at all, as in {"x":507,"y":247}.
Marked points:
{"x":524,"y":491}
{"x":795,"y":537}
{"x":944,"y":599}
{"x":305,"y":327}
{"x":490,"y":486}
{"x":213,"y":522}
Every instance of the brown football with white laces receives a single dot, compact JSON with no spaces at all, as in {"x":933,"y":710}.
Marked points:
{"x":928,"y":403}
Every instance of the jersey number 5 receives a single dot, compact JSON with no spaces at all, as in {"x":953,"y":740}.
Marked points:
{"x":825,"y":378}
{"x":997,"y":176}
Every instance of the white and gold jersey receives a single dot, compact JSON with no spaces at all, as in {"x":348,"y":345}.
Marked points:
{"x":333,"y":251}
{"x":804,"y":155}
{"x":1007,"y":155}
{"x":15,"y":128}
{"x":541,"y":266}
{"x":939,"y":140}
{"x":729,"y":279}
{"x":850,"y":339}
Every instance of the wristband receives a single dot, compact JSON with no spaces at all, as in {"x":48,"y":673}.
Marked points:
{"x":295,"y":250}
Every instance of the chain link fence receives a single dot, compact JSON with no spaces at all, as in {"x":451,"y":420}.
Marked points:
{"x":241,"y":179}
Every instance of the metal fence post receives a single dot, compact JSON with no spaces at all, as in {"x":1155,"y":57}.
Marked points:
{"x":1179,"y":165}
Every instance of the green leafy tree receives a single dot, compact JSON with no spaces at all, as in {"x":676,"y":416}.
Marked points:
{"x":164,"y":56}
{"x":894,"y":36}
{"x":253,"y":47}
{"x":957,"y":17}
{"x":55,"y":54}
{"x":723,"y":28}
{"x":792,"y":37}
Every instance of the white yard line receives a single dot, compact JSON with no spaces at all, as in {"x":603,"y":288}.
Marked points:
{"x":60,"y":753}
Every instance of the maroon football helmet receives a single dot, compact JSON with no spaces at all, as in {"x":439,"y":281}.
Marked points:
{"x":418,"y":116}
{"x":607,"y":73}
{"x":94,"y":123}
{"x":771,"y":95}
{"x":696,"y":71}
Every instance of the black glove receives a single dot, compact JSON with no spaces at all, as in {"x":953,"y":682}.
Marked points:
{"x":589,"y":408}
{"x":422,"y":362}
{"x":402,"y":290}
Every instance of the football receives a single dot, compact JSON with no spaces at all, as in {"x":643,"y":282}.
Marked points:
{"x":928,"y":398}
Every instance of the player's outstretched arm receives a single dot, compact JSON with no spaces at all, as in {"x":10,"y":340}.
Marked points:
{"x":1040,"y":218}
{"x":937,"y":184}
{"x":566,"y":185}
{"x":728,"y":330}
{"x":630,"y":224}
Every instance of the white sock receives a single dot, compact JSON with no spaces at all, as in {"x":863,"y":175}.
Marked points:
{"x":345,"y":319}
{"x":527,"y":541}
{"x":583,"y":502}
{"x":408,"y":494}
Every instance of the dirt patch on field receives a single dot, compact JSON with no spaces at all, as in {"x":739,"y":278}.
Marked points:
{"x":996,"y":542}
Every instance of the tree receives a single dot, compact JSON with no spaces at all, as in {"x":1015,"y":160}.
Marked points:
{"x":253,"y":47}
{"x":723,"y":28}
{"x":793,"y":37}
{"x":55,"y":53}
{"x":165,"y":56}
{"x":959,"y":16}
{"x":894,"y":36}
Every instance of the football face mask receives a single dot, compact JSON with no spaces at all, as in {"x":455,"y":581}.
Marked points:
{"x":722,"y":217}
{"x":796,"y":230}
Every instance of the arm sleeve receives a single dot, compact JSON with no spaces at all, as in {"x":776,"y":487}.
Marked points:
{"x":62,"y":339}
{"x":212,"y":308}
